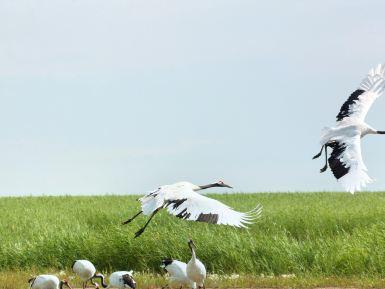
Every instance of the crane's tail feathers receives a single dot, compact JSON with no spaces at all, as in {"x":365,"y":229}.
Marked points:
{"x":375,"y":80}
{"x":355,"y":180}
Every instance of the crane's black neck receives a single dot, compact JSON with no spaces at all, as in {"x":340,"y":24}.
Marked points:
{"x":204,"y":187}
{"x":192,"y":249}
{"x":102,"y":279}
{"x":61,"y":284}
{"x":381,"y":132}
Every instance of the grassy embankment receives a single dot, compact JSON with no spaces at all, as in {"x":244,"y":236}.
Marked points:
{"x":323,"y":239}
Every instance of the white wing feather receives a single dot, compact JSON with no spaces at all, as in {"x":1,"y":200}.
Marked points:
{"x":357,"y":176}
{"x":373,"y":85}
{"x":197,"y":207}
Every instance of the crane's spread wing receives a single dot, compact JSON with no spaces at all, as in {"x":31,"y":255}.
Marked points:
{"x":360,"y":101}
{"x":196,"y":207}
{"x":347,"y":165}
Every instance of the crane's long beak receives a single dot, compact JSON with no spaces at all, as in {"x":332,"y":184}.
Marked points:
{"x":227,"y":186}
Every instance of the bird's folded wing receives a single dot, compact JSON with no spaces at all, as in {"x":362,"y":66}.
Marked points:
{"x":196,"y":207}
{"x":360,"y":101}
{"x":177,"y":269}
{"x":347,"y":165}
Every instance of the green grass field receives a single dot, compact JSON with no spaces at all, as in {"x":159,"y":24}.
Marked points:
{"x":328,"y":236}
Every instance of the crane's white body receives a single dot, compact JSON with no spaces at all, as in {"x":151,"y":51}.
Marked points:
{"x":182,"y":200}
{"x":116,"y":279}
{"x":347,"y":163}
{"x":45,"y":282}
{"x":196,"y":271}
{"x":84,"y":269}
{"x":177,"y":271}
{"x":346,"y":129}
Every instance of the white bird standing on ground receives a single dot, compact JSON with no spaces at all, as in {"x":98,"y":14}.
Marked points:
{"x":344,"y":139}
{"x":195,"y":269}
{"x":178,"y":274}
{"x":87,"y":272}
{"x":183,"y":201}
{"x":47,"y":282}
{"x":122,"y":279}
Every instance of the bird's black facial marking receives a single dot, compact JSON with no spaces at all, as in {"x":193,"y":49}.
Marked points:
{"x":184,"y":214}
{"x":128,"y":280}
{"x":31,"y":281}
{"x":175,"y":203}
{"x":345,"y":109}
{"x":338,"y":168}
{"x":208,"y":218}
{"x":167,"y":262}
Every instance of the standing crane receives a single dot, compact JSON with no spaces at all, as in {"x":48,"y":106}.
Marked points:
{"x":47,"y":282}
{"x":87,"y":272}
{"x":195,"y":269}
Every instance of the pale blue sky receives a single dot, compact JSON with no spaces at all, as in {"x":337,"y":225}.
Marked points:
{"x":121,"y":96}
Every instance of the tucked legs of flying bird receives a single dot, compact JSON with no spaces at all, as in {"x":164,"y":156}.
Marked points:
{"x":326,"y":157}
{"x":140,"y":232}
{"x":319,"y":154}
{"x":133,"y":218}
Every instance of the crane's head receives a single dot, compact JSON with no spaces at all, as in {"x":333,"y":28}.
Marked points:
{"x":65,"y":282}
{"x":129,"y":280}
{"x":223,"y":185}
{"x":191,"y":244}
{"x":165,"y":263}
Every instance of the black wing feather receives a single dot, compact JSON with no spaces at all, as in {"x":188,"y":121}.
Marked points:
{"x":338,"y":168}
{"x":345,"y":109}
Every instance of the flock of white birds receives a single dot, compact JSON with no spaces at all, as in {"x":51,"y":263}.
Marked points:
{"x":86,"y":271}
{"x":191,"y":274}
{"x":183,"y":200}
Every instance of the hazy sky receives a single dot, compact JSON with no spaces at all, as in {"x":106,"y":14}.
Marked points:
{"x":121,"y":96}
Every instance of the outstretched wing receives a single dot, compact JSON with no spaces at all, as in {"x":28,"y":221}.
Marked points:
{"x":196,"y":207}
{"x":360,"y":101}
{"x":347,"y":165}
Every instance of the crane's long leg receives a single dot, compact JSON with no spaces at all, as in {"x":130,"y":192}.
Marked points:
{"x":319,"y":154}
{"x":131,"y":219}
{"x":140,"y":232}
{"x":326,"y":160}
